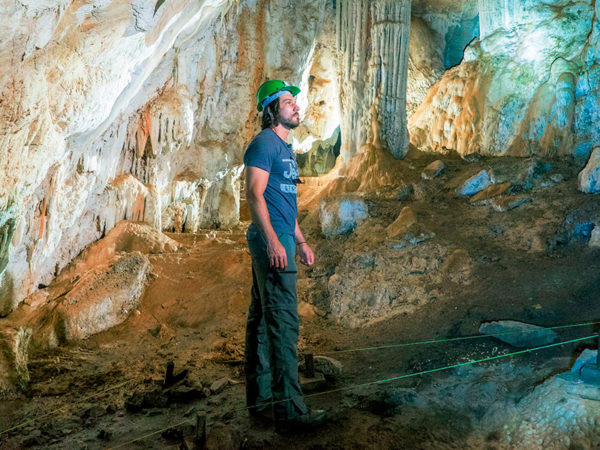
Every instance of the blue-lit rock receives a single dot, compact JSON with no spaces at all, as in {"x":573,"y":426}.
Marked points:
{"x":477,"y":183}
{"x":341,"y":215}
{"x":560,"y":413}
{"x":530,"y":87}
{"x":588,"y":180}
{"x":518,"y":334}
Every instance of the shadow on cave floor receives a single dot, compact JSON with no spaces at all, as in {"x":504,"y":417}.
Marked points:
{"x":527,"y":265}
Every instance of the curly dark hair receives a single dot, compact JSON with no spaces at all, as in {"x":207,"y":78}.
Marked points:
{"x":270,"y":116}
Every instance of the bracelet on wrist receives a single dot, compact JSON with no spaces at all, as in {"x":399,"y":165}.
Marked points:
{"x":300,"y":243}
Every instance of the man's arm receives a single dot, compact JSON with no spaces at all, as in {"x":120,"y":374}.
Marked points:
{"x":306,"y":254}
{"x":256,"y":183}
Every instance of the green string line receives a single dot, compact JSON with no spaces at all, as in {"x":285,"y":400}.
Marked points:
{"x":386,"y":380}
{"x":462,"y":338}
{"x":97,"y":394}
{"x":150,"y":434}
{"x":453,"y":366}
{"x":365,"y":349}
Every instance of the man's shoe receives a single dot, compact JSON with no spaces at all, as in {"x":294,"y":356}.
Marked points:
{"x":309,"y":421}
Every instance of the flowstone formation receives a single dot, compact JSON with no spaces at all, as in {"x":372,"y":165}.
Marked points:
{"x":527,"y":88}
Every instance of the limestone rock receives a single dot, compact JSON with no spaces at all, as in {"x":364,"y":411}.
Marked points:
{"x":373,"y":44}
{"x":490,"y":192}
{"x":218,"y":385}
{"x":306,"y":310}
{"x":504,"y":204}
{"x":458,"y":267}
{"x":433,"y":170}
{"x":579,"y":224}
{"x":452,"y":24}
{"x":587,"y":356}
{"x":320,"y":100}
{"x":595,"y":237}
{"x":405,"y":192}
{"x":101,"y":299}
{"x":523,"y":95}
{"x":518,"y":334}
{"x":38,"y":298}
{"x":477,"y":182}
{"x":588,"y":180}
{"x":556,"y":414}
{"x":522,"y":173}
{"x":341,"y":215}
{"x":127,"y":237}
{"x":126,"y":126}
{"x":321,"y":158}
{"x":406,"y":219}
{"x":330,"y":367}
{"x":495,"y":15}
{"x":370,"y":285}
{"x":126,"y":198}
{"x":14,"y":349}
{"x":425,"y":62}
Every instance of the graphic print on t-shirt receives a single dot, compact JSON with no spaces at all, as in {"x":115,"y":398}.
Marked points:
{"x":290,"y":174}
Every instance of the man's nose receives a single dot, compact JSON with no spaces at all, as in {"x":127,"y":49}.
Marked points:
{"x":296,"y":107}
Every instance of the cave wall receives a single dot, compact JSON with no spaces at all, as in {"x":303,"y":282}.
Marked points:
{"x":135,"y":110}
{"x":455,"y":22}
{"x":129,"y":109}
{"x":529,"y":87}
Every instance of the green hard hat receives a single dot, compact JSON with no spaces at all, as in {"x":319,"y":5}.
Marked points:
{"x":272,"y":89}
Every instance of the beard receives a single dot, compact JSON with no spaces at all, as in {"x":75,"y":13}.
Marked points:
{"x":290,"y":122}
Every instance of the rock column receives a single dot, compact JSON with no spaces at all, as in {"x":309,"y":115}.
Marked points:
{"x":372,"y":40}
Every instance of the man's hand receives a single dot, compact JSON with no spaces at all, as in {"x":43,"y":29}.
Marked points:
{"x":306,"y":254}
{"x":276,"y":254}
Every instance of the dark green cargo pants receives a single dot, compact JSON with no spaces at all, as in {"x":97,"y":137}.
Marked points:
{"x":271,"y":361}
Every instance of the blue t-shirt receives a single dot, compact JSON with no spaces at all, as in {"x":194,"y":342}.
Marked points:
{"x":269,"y":152}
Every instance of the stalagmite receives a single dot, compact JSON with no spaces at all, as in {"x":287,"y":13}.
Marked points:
{"x":373,"y":38}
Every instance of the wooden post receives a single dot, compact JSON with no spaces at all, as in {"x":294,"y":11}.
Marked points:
{"x":200,"y":430}
{"x":168,"y":374}
{"x":310,"y":365}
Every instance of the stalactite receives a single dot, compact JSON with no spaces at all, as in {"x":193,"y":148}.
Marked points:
{"x":373,"y":39}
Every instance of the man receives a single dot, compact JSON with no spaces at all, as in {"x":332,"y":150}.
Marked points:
{"x":274,"y":237}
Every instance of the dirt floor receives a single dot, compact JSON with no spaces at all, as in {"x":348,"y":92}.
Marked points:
{"x":530,"y":264}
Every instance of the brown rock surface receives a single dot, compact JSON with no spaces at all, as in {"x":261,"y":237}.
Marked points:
{"x":489,"y":192}
{"x":433,"y":170}
{"x":101,"y":299}
{"x":405,"y":220}
{"x":14,"y":357}
{"x":458,"y":267}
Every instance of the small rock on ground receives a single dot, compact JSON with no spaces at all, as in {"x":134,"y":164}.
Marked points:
{"x":588,"y":180}
{"x":477,"y":183}
{"x":518,"y":334}
{"x":433,"y":170}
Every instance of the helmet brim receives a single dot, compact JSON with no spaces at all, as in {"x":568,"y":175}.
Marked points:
{"x":294,"y":90}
